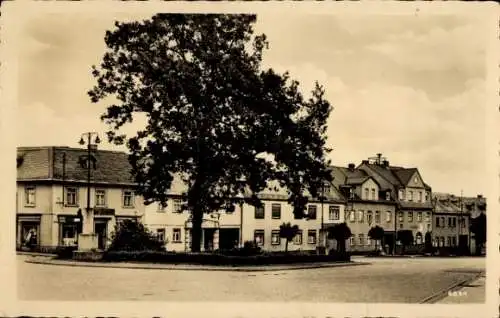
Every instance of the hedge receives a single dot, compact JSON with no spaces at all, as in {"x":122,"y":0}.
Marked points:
{"x":219,"y":259}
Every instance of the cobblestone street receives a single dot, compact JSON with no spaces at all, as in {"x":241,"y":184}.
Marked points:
{"x":384,"y":280}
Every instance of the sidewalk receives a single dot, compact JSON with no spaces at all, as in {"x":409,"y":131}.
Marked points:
{"x":50,"y":261}
{"x":473,"y":292}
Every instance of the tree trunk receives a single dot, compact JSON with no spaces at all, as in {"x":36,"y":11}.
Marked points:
{"x":341,"y":245}
{"x":197,"y":219}
{"x":286,"y":246}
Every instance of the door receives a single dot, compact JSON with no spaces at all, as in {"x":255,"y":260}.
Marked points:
{"x":101,"y":229}
{"x":209,"y":239}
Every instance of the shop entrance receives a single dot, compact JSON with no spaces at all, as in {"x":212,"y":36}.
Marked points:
{"x":101,"y":229}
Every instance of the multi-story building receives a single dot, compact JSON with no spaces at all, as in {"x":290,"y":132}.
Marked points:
{"x":225,"y":229}
{"x":451,"y":222}
{"x":412,"y":194}
{"x":369,"y":205}
{"x":51,"y":198}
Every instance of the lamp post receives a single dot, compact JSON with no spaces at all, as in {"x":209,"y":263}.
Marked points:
{"x":322,"y":230}
{"x":87,"y":239}
{"x":240,"y":199}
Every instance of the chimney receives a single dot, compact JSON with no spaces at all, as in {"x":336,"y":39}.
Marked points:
{"x":351,"y":166}
{"x":379,"y":158}
{"x":479,"y":196}
{"x":386,"y":163}
{"x":364,"y":162}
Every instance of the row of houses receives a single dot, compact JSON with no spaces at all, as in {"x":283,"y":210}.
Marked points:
{"x":53,"y":189}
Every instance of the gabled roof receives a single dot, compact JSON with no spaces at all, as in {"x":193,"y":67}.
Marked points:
{"x":384,"y":178}
{"x":404,"y":175}
{"x":40,"y":163}
{"x":346,"y":176}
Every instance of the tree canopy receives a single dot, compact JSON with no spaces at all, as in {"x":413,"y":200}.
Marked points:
{"x":214,"y":115}
{"x":288,"y":232}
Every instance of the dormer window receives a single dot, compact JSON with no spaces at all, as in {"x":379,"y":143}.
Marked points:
{"x":83,"y":161}
{"x":401,"y":194}
{"x":388,"y":195}
{"x":351,"y":193}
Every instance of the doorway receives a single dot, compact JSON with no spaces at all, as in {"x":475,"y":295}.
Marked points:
{"x":229,"y":238}
{"x":208,"y":239}
{"x":101,"y":229}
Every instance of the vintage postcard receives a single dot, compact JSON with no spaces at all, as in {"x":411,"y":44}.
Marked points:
{"x":240,"y":159}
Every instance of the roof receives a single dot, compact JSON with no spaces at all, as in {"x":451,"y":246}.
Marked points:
{"x":404,"y":175}
{"x":382,"y":175}
{"x":46,"y":163}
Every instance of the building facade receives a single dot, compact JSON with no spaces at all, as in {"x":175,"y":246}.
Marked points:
{"x":52,"y":187}
{"x":226,"y":230}
{"x":368,"y":205}
{"x":412,"y":195}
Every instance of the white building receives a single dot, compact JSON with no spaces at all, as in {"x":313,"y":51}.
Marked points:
{"x":225,"y":230}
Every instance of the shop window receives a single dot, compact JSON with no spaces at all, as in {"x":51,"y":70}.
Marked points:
{"x":258,"y":237}
{"x":297,"y":240}
{"x":69,"y":234}
{"x":275,"y":237}
{"x":311,"y":236}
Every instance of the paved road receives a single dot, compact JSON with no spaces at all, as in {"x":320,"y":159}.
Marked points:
{"x":385,"y":280}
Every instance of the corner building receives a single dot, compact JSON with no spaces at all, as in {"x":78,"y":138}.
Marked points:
{"x":51,"y":194}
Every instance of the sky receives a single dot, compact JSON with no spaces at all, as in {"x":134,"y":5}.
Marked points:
{"x":410,"y":87}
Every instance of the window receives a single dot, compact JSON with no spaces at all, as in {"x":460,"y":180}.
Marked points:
{"x":68,"y":234}
{"x":276,"y":211}
{"x":29,"y":192}
{"x":311,"y":211}
{"x":388,"y":216}
{"x":454,"y":222}
{"x":426,"y":196}
{"x":311,"y":236}
{"x":161,"y":208}
{"x":415,"y":180}
{"x":177,"y":208}
{"x":258,"y":237}
{"x":351,"y":193}
{"x":428,"y":227}
{"x":410,"y":216}
{"x":400,"y":216}
{"x":352,"y":216}
{"x":463,"y":223}
{"x":334,"y":213}
{"x":71,"y":196}
{"x":374,"y":196}
{"x":368,"y":241}
{"x":443,"y":223}
{"x":410,"y":195}
{"x":176,"y":235}
{"x":367,"y":193}
{"x":449,"y":222}
{"x":419,"y":217}
{"x":160,"y":235}
{"x":454,"y":241}
{"x":361,"y":216}
{"x":441,"y":241}
{"x":420,"y":196}
{"x":369,"y":217}
{"x":275,"y":237}
{"x":259,"y":212}
{"x":326,"y":189}
{"x":377,"y":217}
{"x":297,"y":240}
{"x":401,"y":194}
{"x":388,"y":195}
{"x":427,"y":216}
{"x":128,"y":198}
{"x":448,"y":241}
{"x":401,"y":225}
{"x":361,"y":239}
{"x":437,"y":221}
{"x":352,"y":241}
{"x":100,"y":197}
{"x":418,"y":238}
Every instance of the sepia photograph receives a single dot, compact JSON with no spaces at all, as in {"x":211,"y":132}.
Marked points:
{"x":256,"y":154}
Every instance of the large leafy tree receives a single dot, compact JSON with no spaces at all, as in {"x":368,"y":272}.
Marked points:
{"x":215,"y":118}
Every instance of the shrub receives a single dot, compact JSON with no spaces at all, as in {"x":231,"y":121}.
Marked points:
{"x":65,"y":252}
{"x":134,"y":236}
{"x":219,"y":259}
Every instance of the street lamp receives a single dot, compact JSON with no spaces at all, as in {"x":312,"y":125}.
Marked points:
{"x":88,"y":239}
{"x":240,"y":199}
{"x":322,"y":229}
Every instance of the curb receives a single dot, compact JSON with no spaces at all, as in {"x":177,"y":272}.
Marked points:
{"x":172,"y":267}
{"x":35,"y":254}
{"x":444,"y":292}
